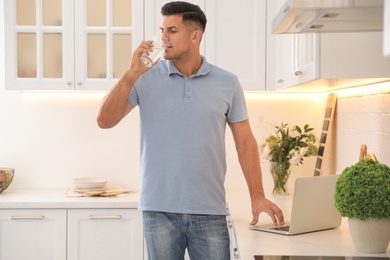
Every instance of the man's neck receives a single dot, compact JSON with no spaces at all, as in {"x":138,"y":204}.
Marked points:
{"x":189,"y":66}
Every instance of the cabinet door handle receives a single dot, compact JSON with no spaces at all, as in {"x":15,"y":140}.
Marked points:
{"x":298,"y":72}
{"x":236,"y":254}
{"x":105,"y":217}
{"x":27,"y":217}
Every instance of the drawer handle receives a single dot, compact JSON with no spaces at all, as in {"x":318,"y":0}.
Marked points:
{"x":105,"y":217}
{"x":27,"y":217}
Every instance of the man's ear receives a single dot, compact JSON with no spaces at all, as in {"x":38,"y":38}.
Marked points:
{"x":197,"y":35}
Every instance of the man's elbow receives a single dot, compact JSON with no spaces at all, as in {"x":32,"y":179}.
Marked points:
{"x":103,"y":123}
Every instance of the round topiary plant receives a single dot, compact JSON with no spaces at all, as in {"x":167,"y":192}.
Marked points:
{"x":363,"y":191}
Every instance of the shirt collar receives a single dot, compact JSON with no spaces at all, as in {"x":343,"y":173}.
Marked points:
{"x":203,"y":70}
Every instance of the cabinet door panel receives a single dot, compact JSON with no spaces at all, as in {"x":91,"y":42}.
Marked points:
{"x":236,"y":39}
{"x":95,"y":234}
{"x":98,"y":25}
{"x":292,"y":58}
{"x":307,"y":57}
{"x":38,"y":54}
{"x":33,"y":234}
{"x":69,"y":44}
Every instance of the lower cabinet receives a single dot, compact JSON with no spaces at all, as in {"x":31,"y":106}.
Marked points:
{"x":101,"y":234}
{"x":72,"y":234}
{"x":33,"y":234}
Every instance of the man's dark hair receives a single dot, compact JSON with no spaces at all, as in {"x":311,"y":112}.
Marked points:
{"x":189,"y":12}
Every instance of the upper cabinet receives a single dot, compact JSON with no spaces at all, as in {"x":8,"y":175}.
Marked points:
{"x":320,"y":61}
{"x":69,"y":44}
{"x":290,"y":57}
{"x":87,"y":44}
{"x":236,"y":37}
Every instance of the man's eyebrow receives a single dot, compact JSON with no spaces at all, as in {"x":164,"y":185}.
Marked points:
{"x":169,"y":28}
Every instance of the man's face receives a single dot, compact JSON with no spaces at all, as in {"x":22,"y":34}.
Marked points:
{"x":176,"y":36}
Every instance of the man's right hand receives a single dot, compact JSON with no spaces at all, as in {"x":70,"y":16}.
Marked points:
{"x":136,"y":65}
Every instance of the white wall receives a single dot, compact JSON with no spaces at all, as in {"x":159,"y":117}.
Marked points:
{"x":267,"y":110}
{"x":51,"y":138}
{"x":363,"y":118}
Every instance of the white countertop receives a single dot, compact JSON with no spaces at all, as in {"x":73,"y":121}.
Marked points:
{"x":336,"y":242}
{"x":44,"y":199}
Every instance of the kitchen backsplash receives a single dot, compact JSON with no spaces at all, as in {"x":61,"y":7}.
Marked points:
{"x":362,"y":120}
{"x":51,"y":138}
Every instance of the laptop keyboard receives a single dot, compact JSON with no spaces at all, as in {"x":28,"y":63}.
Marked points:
{"x":284,"y":228}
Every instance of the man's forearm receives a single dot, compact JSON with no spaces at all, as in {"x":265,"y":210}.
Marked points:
{"x":249,"y":159}
{"x":115,"y":105}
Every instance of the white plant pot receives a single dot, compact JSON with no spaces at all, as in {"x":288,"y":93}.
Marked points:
{"x":371,"y":235}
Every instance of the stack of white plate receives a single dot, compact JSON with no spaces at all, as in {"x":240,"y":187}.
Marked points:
{"x":89,"y":183}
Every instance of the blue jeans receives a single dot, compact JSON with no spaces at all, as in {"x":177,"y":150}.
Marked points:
{"x":168,"y":235}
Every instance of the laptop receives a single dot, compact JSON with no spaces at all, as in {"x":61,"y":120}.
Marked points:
{"x":312,"y":207}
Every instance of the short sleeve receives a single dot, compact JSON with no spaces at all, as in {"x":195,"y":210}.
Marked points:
{"x":237,"y":110}
{"x":133,"y":97}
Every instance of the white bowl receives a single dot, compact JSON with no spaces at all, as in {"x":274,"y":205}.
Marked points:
{"x":89,"y":183}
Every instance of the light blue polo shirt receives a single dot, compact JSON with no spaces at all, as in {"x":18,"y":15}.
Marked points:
{"x":183,"y":123}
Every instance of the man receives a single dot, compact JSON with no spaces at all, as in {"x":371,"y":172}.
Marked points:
{"x":185,"y":104}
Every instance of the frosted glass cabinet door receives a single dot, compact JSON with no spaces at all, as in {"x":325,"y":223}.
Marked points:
{"x":101,"y":234}
{"x":106,"y":34}
{"x":37,"y":50}
{"x":69,"y":44}
{"x":33,"y":234}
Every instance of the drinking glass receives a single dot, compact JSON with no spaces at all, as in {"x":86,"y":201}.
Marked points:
{"x":156,"y":54}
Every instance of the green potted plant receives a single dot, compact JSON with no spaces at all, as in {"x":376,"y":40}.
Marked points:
{"x":362,"y":194}
{"x":288,"y":146}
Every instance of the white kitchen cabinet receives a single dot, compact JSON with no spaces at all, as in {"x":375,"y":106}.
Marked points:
{"x":69,"y":44}
{"x":33,"y":234}
{"x":60,"y":234}
{"x":291,"y":58}
{"x":319,"y":61}
{"x":295,"y":59}
{"x":279,"y":51}
{"x":236,"y":39}
{"x":49,"y":225}
{"x":95,"y":234}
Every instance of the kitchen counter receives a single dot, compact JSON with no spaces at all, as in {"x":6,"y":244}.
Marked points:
{"x":45,"y":199}
{"x":334,"y":242}
{"x":326,"y":243}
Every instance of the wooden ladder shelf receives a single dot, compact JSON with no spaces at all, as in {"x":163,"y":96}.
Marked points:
{"x":328,"y":120}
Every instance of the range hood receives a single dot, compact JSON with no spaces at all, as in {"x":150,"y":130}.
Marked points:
{"x":306,"y":16}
